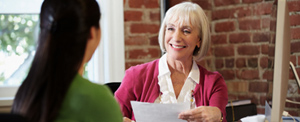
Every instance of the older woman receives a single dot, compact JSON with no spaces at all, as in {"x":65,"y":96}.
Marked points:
{"x":175,"y":77}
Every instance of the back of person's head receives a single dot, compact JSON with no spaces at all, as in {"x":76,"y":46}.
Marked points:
{"x":188,"y":13}
{"x":64,"y":31}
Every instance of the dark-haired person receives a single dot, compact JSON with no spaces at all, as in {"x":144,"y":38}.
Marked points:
{"x":54,"y":89}
{"x":176,"y":77}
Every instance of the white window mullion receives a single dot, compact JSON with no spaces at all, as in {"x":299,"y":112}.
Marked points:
{"x":112,"y":24}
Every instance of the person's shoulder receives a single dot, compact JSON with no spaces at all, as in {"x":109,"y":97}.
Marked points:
{"x":84,"y":86}
{"x":89,"y":101}
{"x":93,"y":94}
{"x":209,"y":74}
{"x":149,"y":66}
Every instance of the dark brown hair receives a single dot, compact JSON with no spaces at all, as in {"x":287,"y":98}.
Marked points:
{"x":64,"y":31}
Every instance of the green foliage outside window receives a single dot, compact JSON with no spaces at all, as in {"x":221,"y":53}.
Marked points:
{"x":18,"y":37}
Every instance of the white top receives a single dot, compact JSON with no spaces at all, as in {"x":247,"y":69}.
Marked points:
{"x":166,"y":87}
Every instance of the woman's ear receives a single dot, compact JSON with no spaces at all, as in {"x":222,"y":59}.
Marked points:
{"x":95,"y":34}
{"x":199,"y":43}
{"x":92,"y":42}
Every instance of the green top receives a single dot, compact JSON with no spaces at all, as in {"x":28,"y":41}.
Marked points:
{"x":89,"y":102}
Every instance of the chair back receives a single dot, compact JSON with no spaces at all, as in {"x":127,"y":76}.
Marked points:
{"x":8,"y":117}
{"x":113,"y":86}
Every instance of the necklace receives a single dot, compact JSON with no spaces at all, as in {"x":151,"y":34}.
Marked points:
{"x":192,"y":99}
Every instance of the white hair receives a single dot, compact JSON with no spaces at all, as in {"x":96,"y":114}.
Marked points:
{"x":188,"y":13}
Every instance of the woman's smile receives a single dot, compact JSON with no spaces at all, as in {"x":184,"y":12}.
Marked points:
{"x":177,"y":46}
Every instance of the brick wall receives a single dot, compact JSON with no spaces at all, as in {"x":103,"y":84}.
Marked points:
{"x":240,"y":43}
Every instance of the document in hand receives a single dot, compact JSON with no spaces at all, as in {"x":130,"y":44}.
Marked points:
{"x":157,"y":112}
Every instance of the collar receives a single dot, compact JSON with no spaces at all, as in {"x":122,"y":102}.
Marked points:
{"x":163,"y":69}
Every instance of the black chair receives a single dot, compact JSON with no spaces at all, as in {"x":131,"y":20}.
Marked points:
{"x":8,"y":117}
{"x":113,"y":86}
{"x":240,"y":111}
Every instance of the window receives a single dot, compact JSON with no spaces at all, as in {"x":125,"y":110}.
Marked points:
{"x":19,"y":44}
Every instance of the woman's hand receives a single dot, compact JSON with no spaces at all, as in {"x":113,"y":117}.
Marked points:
{"x":125,"y":119}
{"x":202,"y":114}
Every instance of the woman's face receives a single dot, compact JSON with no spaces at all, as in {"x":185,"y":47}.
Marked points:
{"x":181,"y":40}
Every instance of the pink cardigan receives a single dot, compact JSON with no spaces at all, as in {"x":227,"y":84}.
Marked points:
{"x":140,"y":83}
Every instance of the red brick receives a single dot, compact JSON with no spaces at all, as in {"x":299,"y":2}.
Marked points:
{"x":174,"y":2}
{"x":271,"y":52}
{"x":144,"y":53}
{"x":129,"y":64}
{"x":261,"y":37}
{"x":293,"y":59}
{"x":205,"y":4}
{"x":154,"y":40}
{"x":146,"y":3}
{"x":294,"y":5}
{"x":219,"y":63}
{"x":248,"y":50}
{"x":268,"y":75}
{"x":243,"y":11}
{"x":229,"y":63}
{"x":237,"y":87}
{"x":224,"y":51}
{"x":249,"y":74}
{"x":240,"y":62}
{"x":265,"y":49}
{"x":133,"y":16}
{"x":263,"y":8}
{"x":227,"y":74}
{"x":295,"y":19}
{"x":264,"y":62}
{"x":135,"y":3}
{"x":151,"y":3}
{"x":253,"y":98}
{"x":258,"y":87}
{"x":299,"y":62}
{"x":154,"y":16}
{"x":136,"y":40}
{"x":219,"y":39}
{"x":291,"y":73}
{"x":239,"y":37}
{"x":226,"y":2}
{"x":295,"y":47}
{"x":272,"y":36}
{"x":249,"y":24}
{"x":295,"y":33}
{"x":225,"y":26}
{"x":273,"y":26}
{"x":265,"y":22}
{"x":144,"y":28}
{"x":253,"y":62}
{"x":222,"y":14}
{"x":251,"y":1}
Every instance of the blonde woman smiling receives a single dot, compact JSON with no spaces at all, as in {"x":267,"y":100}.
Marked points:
{"x":176,"y":77}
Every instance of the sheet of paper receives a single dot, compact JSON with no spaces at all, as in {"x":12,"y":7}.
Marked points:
{"x":156,"y":112}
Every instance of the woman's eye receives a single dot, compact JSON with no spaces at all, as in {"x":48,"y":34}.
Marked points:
{"x":170,"y":29}
{"x":186,"y":31}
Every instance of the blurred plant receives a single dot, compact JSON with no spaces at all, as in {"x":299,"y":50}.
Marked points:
{"x":18,"y":35}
